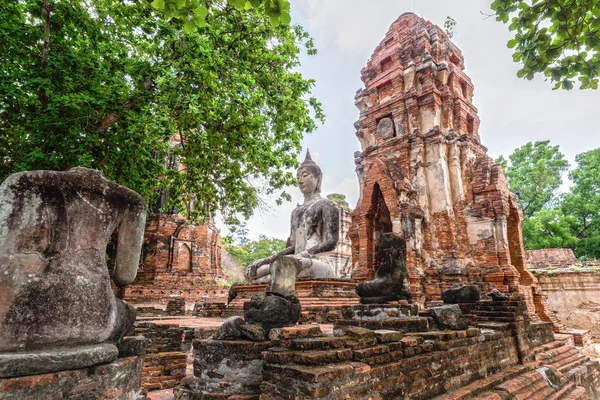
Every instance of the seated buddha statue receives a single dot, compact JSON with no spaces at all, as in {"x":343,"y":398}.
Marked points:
{"x":314,"y":233}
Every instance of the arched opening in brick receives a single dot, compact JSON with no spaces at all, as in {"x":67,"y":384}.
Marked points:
{"x":380,"y":220}
{"x":184,"y":258}
{"x":513,"y":227}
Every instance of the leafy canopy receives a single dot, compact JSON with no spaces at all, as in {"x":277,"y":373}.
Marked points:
{"x":193,"y":13}
{"x":106,"y":84}
{"x":252,"y":250}
{"x":534,"y":174}
{"x":557,"y":38}
{"x":570,"y":220}
{"x":582,"y":204}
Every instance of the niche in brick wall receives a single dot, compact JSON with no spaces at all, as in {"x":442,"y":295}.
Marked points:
{"x":386,"y":64}
{"x":380,"y":219}
{"x":513,"y":231}
{"x":183,"y":256}
{"x":385,"y":92}
{"x":385,"y":127}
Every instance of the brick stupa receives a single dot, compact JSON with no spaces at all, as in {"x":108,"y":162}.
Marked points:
{"x":425,"y":175}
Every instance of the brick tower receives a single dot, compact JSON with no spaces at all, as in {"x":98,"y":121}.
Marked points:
{"x":425,"y":175}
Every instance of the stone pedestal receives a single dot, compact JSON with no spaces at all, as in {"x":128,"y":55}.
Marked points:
{"x":401,"y":317}
{"x":321,"y":300}
{"x":118,"y":380}
{"x":224,"y":369}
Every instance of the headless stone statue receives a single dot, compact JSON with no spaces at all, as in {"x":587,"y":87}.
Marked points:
{"x":55,"y":290}
{"x":391,"y":280}
{"x":314,"y":233}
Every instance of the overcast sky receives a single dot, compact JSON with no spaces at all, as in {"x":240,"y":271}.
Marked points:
{"x":512,"y":111}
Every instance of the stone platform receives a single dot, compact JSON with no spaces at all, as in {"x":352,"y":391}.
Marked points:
{"x":118,"y":380}
{"x":390,"y":351}
{"x":321,"y":300}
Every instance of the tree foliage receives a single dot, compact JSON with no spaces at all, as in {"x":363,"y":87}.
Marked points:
{"x":340,"y":200}
{"x":253,"y":250}
{"x":582,"y":204}
{"x":557,"y":38}
{"x":105,"y":84}
{"x":193,"y":12}
{"x":570,"y":220}
{"x":534,"y":174}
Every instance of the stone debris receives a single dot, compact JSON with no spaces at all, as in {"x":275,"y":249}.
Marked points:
{"x":461,"y":294}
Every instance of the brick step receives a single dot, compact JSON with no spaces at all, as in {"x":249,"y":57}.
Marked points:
{"x":482,"y":385}
{"x":576,"y":362}
{"x":548,"y":346}
{"x":542,"y":394}
{"x":319,"y":343}
{"x":404,"y":325}
{"x":523,"y":386}
{"x":557,"y":354}
{"x":314,"y":357}
{"x":562,"y":392}
{"x":494,"y":319}
{"x":581,"y":371}
{"x":495,"y":314}
{"x":578,"y":394}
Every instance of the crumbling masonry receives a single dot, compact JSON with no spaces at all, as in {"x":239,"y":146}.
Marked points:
{"x":425,"y":175}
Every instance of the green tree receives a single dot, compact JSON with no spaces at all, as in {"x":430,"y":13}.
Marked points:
{"x":105,"y":84}
{"x":253,"y":250}
{"x":193,"y":14}
{"x":549,"y":228}
{"x":557,"y":38}
{"x":582,"y":204}
{"x":534,"y":174}
{"x":340,"y":200}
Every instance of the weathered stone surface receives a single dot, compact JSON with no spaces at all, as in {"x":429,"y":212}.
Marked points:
{"x":57,"y":359}
{"x":272,"y":311}
{"x":461,"y":294}
{"x":497,"y":295}
{"x":54,"y":282}
{"x":230,"y":329}
{"x":449,"y":317}
{"x":253,"y":332}
{"x":223,"y":369}
{"x":118,"y":380}
{"x":391,"y":281}
{"x":132,"y":346}
{"x":385,"y":128}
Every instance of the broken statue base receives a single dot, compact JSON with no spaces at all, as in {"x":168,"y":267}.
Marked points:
{"x":116,"y":380}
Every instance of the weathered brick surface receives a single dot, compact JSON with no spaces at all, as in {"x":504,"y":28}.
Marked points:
{"x":165,"y":362}
{"x":574,"y":295}
{"x":119,"y":380}
{"x":179,"y":259}
{"x":426,"y":175}
{"x":550,"y":257}
{"x":163,"y":370}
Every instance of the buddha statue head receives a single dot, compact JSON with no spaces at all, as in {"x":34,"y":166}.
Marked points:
{"x":309,"y":176}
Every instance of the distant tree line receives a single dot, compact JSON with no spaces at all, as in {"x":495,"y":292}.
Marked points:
{"x":553,"y":219}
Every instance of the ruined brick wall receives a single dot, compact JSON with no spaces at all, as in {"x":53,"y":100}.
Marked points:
{"x":574,"y":296}
{"x":179,"y":259}
{"x":550,"y":258}
{"x":165,"y":361}
{"x":425,"y":175}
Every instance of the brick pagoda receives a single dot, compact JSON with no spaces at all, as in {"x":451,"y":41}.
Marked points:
{"x":425,"y":175}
